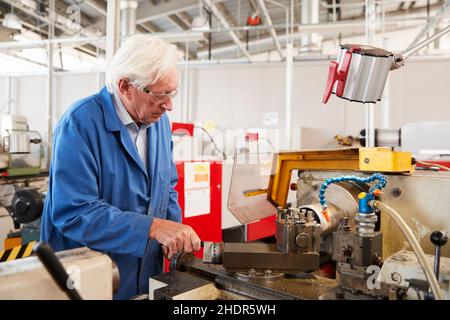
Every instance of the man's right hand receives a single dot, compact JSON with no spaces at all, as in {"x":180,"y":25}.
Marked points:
{"x":176,"y":237}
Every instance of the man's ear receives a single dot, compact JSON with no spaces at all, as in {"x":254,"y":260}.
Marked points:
{"x":124,"y":87}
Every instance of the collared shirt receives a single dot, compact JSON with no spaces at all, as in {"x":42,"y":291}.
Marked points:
{"x":137,"y":134}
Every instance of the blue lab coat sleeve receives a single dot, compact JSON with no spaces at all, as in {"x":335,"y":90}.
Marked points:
{"x":78,"y":212}
{"x":173,"y":210}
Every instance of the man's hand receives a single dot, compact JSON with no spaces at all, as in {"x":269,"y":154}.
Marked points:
{"x":174,"y":237}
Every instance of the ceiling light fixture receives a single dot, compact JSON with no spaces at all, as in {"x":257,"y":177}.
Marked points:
{"x":12,"y":21}
{"x":200,"y":22}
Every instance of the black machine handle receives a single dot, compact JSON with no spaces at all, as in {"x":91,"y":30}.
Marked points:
{"x":439,"y":239}
{"x":46,"y":254}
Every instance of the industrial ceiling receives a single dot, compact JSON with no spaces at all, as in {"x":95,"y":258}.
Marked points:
{"x":230,"y":36}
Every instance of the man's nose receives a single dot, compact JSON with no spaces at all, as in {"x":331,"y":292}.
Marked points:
{"x":168,"y":105}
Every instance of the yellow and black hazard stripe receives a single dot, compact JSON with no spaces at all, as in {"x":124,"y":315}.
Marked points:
{"x":18,"y":252}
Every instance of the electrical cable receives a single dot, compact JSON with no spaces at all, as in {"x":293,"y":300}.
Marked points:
{"x":270,"y":143}
{"x":429,"y":164}
{"x":434,"y":284}
{"x":213,"y":142}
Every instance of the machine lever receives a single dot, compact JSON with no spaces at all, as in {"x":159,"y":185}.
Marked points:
{"x":439,"y":239}
{"x":56,"y":269}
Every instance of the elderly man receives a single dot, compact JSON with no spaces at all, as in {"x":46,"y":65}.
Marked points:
{"x":112,"y":174}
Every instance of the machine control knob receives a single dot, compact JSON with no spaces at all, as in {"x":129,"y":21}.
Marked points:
{"x":438,"y":238}
{"x":26,"y":205}
{"x":22,"y":206}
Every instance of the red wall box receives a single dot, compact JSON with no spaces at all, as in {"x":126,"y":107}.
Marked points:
{"x":207,"y":226}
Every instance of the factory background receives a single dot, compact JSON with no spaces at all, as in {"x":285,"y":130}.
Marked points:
{"x":254,"y":68}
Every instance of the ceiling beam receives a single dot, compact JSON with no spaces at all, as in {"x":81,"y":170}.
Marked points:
{"x":150,"y":27}
{"x":187,"y":19}
{"x":182,"y":48}
{"x":61,"y":22}
{"x":253,"y":5}
{"x":212,"y":7}
{"x":273,"y":33}
{"x":180,"y":24}
{"x":148,"y":11}
{"x":97,"y":5}
{"x":228,"y":16}
{"x":432,"y":23}
{"x":353,"y":26}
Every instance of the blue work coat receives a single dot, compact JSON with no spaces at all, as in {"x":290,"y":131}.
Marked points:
{"x":100,"y":194}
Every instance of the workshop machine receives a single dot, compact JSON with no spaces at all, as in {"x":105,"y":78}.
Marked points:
{"x":22,"y":182}
{"x":74,"y":274}
{"x":344,"y":238}
{"x":22,"y":198}
{"x":21,"y":152}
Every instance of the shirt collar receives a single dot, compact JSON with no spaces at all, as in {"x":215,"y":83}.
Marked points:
{"x":123,"y":114}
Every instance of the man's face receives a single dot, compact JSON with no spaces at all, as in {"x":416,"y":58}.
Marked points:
{"x":143,"y":107}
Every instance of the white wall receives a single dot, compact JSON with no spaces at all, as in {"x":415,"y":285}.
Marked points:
{"x":236,"y":96}
{"x":31,"y":96}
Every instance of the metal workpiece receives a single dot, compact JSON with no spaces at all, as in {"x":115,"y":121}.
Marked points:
{"x":212,"y":252}
{"x":327,"y":224}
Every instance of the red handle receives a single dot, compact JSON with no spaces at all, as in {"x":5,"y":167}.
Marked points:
{"x":339,"y":75}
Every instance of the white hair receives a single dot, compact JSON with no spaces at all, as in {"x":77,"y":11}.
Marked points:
{"x":142,"y":59}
